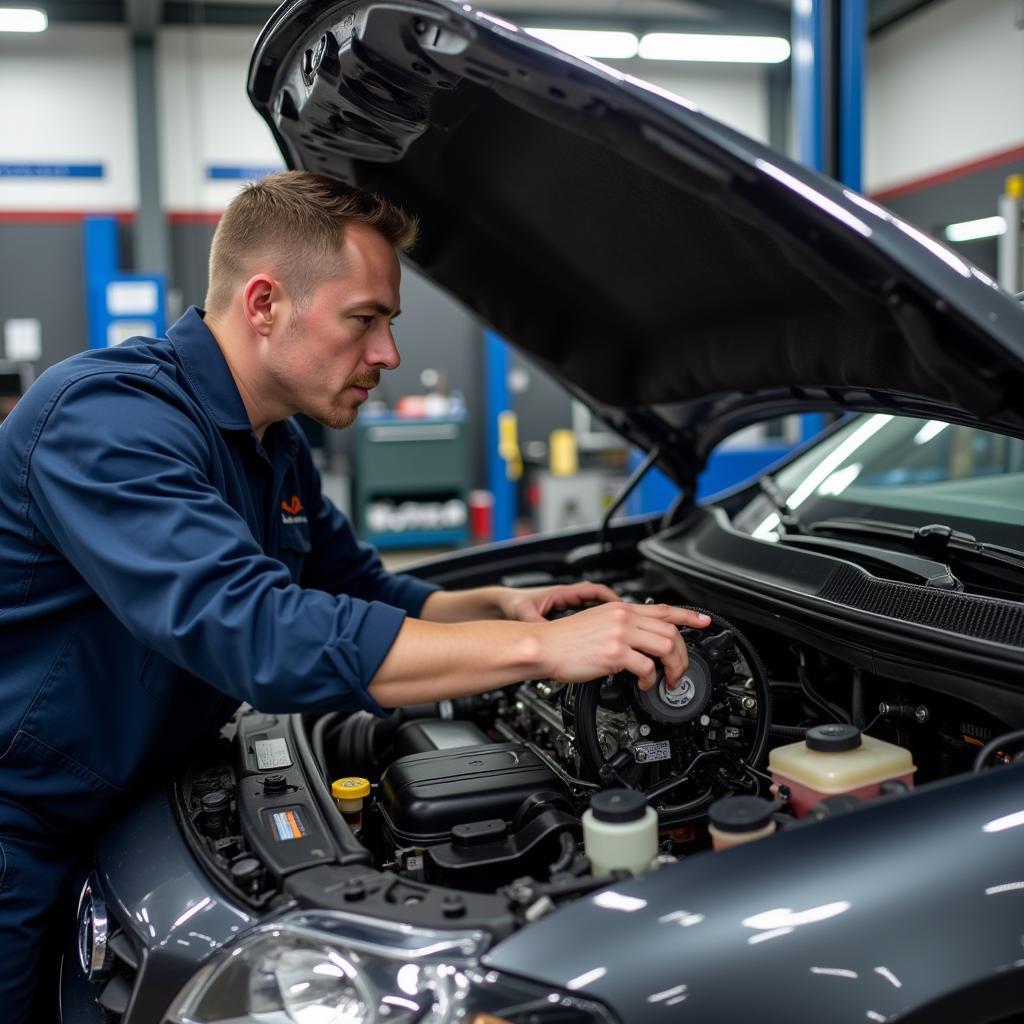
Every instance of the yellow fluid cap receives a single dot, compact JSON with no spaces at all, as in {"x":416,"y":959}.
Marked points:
{"x":352,"y":787}
{"x":562,"y":446}
{"x":1015,"y":186}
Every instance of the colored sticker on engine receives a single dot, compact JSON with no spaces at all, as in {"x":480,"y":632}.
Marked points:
{"x":287,"y":824}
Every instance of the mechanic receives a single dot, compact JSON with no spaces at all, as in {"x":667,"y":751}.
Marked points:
{"x":169,"y":552}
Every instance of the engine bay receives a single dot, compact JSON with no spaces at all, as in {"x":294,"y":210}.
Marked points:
{"x":475,"y":809}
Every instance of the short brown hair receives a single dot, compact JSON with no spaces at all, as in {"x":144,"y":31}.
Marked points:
{"x":292,"y":222}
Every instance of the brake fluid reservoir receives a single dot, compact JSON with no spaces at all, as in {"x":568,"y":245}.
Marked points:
{"x":349,"y":794}
{"x":836,"y":759}
{"x":620,"y":831}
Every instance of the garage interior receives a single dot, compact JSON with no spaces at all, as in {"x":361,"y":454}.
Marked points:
{"x":833,"y":562}
{"x":911,"y":102}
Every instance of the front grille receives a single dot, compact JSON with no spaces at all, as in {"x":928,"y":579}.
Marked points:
{"x":1000,"y":622}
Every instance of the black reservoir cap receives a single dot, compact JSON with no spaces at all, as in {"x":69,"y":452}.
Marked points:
{"x":275,"y":784}
{"x":618,"y":805}
{"x":833,"y":738}
{"x":215,"y":801}
{"x":741,"y":813}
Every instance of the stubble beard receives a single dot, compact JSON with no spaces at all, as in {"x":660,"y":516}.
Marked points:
{"x":340,"y":416}
{"x":337,"y":418}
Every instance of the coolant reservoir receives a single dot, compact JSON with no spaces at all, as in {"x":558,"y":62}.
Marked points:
{"x":620,"y":831}
{"x":837,"y":759}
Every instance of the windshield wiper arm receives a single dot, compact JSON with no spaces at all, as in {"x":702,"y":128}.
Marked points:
{"x":910,"y":568}
{"x":788,"y":519}
{"x":936,"y":540}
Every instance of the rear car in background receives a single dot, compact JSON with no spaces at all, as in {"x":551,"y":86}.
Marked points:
{"x":863,"y":675}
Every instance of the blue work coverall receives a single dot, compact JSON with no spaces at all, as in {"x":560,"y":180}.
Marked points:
{"x":160,"y":566}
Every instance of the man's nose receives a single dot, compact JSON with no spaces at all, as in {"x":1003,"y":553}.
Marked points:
{"x":384,"y":352}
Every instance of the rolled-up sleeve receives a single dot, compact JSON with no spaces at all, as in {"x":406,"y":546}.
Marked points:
{"x":118,"y":481}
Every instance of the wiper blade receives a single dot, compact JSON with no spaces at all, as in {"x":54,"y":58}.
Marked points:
{"x":936,"y":540}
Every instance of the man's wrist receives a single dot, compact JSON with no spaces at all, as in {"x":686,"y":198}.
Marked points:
{"x":530,"y":651}
{"x":503,"y":600}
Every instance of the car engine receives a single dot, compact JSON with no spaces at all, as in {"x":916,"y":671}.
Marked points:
{"x":484,"y":798}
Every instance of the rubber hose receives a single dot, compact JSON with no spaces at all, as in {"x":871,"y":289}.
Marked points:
{"x":351,"y":851}
{"x":316,"y":740}
{"x":796,"y":732}
{"x":568,"y":851}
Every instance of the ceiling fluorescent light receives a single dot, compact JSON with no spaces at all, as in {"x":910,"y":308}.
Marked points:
{"x":589,"y":43}
{"x":727,"y":49}
{"x":22,"y":19}
{"x":969,"y":230}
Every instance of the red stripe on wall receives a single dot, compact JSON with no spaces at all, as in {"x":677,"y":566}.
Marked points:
{"x":182,"y":217}
{"x":985,"y":163}
{"x":124,"y":216}
{"x":63,"y":216}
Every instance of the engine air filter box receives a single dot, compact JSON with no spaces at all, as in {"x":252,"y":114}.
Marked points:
{"x":423,"y":796}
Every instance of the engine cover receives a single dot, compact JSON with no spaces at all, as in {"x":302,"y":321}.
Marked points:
{"x":423,"y":796}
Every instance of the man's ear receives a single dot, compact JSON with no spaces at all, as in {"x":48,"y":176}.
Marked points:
{"x":261,"y":297}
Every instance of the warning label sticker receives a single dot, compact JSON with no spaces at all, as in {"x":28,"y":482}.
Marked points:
{"x":287,"y":824}
{"x":272,"y":754}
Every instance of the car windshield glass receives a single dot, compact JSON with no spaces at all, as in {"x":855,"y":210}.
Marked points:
{"x":902,"y":470}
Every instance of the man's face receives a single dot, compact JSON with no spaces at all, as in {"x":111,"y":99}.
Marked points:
{"x":330,"y":353}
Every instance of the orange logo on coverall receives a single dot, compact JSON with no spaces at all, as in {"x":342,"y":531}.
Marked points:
{"x":291,"y":511}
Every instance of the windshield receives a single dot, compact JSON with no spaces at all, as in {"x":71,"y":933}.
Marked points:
{"x":903,"y":470}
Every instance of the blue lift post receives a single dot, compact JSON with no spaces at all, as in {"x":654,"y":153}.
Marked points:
{"x":100,"y":264}
{"x":828,"y":101}
{"x":853,"y":35}
{"x":101,"y":260}
{"x":498,"y":401}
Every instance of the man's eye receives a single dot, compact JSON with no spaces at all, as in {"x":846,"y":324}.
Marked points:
{"x":364,"y":319}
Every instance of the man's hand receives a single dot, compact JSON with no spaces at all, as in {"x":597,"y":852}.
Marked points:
{"x":534,"y":604}
{"x":618,"y":637}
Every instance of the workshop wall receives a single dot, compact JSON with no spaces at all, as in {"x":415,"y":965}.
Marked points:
{"x":207,"y":125}
{"x":68,"y":98}
{"x":944,"y":127}
{"x":944,"y":87}
{"x":68,"y":108}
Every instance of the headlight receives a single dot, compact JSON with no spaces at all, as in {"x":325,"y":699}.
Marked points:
{"x":336,"y":968}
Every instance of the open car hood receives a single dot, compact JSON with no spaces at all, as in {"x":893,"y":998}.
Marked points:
{"x":682,"y":279}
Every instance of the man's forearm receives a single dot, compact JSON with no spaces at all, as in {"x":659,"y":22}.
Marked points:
{"x":464,"y":605}
{"x":433,"y":661}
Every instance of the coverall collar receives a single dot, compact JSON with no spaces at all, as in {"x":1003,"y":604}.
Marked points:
{"x":208,"y":370}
